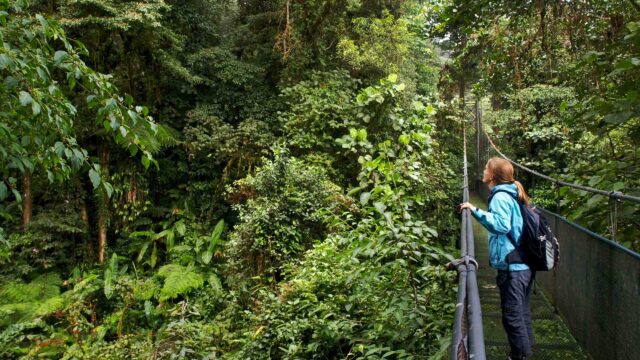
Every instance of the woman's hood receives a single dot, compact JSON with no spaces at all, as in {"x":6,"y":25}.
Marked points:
{"x":511,"y":188}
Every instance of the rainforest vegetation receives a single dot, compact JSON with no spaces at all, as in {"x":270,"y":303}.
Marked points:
{"x":253,"y":179}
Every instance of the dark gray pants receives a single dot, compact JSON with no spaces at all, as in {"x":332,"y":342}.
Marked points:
{"x":515,"y":301}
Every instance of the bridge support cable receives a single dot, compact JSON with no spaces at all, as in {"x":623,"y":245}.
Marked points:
{"x":468,"y":333}
{"x":616,"y":195}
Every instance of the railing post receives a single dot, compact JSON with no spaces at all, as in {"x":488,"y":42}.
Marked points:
{"x":478,"y":177}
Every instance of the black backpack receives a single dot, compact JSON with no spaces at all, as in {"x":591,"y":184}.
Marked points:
{"x":538,"y":247}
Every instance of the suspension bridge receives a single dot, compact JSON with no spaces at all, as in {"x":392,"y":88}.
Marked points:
{"x":588,"y":307}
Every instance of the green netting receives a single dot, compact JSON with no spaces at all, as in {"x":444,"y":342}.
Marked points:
{"x":596,"y":288}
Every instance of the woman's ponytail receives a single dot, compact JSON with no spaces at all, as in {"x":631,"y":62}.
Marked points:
{"x":500,"y":171}
{"x":522,"y":195}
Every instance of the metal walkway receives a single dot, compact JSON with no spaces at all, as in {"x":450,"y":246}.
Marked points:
{"x":553,"y":339}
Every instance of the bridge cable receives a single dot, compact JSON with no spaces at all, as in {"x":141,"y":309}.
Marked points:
{"x":610,"y":194}
{"x":468,"y":333}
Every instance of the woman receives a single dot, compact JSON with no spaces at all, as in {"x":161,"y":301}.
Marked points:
{"x":504,"y":223}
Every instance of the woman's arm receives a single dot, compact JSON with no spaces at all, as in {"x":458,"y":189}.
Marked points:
{"x":498,"y":219}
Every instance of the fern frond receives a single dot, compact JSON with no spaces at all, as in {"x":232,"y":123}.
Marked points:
{"x":145,"y":290}
{"x":41,"y":288}
{"x":14,"y":313}
{"x":50,"y":305}
{"x":178,"y":280}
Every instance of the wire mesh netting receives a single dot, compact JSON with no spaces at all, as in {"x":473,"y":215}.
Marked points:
{"x":596,"y":288}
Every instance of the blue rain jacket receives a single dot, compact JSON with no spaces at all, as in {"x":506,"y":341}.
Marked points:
{"x":503,"y":217}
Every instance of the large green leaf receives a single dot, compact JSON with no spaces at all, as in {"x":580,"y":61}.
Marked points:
{"x":214,"y":239}
{"x":25,"y":98}
{"x":95,"y":178}
{"x":111,"y":276}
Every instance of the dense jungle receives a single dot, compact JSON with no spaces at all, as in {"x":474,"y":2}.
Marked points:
{"x":254,"y":179}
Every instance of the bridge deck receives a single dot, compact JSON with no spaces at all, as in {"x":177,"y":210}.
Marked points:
{"x":553,"y":339}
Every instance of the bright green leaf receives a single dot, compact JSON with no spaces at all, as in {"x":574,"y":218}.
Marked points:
{"x":95,"y":178}
{"x":25,"y":98}
{"x":364,"y":198}
{"x":59,"y":56}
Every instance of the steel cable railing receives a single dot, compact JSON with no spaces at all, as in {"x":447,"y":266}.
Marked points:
{"x":611,"y":194}
{"x":468,"y":333}
{"x":616,"y":196}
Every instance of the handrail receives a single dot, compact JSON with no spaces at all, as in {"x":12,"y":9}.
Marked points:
{"x":611,"y":194}
{"x":468,"y":333}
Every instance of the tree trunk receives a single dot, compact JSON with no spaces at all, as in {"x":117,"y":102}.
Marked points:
{"x":543,"y":13}
{"x":26,"y":199}
{"x":84,"y":215}
{"x":461,"y":89}
{"x":102,"y":233}
{"x":103,"y":208}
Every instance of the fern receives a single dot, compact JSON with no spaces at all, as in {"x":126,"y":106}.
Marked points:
{"x":16,"y":292}
{"x":41,"y":288}
{"x":178,"y":280}
{"x":50,"y":305}
{"x":21,"y":302}
{"x":9,"y":310}
{"x":145,"y":289}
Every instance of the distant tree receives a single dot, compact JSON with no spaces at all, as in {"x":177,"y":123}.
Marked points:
{"x":42,"y":71}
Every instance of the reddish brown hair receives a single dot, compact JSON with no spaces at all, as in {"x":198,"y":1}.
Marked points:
{"x":500,"y":171}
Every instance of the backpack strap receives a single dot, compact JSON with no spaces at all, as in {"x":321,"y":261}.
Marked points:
{"x":514,"y":256}
{"x":509,"y":236}
{"x":503,"y":191}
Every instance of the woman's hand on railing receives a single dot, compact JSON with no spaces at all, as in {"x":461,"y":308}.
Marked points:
{"x":466,"y":205}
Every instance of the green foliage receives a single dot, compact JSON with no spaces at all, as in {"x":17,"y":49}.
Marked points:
{"x":33,"y":94}
{"x":375,"y":288}
{"x":148,"y":240}
{"x":239,"y":244}
{"x":380,"y":45}
{"x":188,"y":340}
{"x":41,"y":288}
{"x":279,"y":216}
{"x":129,"y":199}
{"x":214,"y":242}
{"x":199,"y":248}
{"x":129,"y":346}
{"x":238,"y":148}
{"x":111,"y":275}
{"x":219,"y":153}
{"x":178,"y":280}
{"x":539,"y":133}
{"x":21,"y":302}
{"x":15,"y":339}
{"x":318,"y":110}
{"x":220,"y":66}
{"x":49,"y":242}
